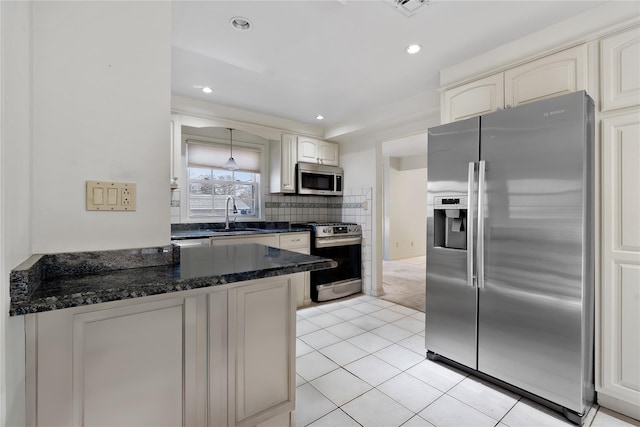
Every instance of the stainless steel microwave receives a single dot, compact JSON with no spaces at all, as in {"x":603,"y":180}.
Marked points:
{"x":320,"y":180}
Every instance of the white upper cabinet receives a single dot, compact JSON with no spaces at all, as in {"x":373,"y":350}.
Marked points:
{"x":558,"y":74}
{"x":552,"y":75}
{"x":311,"y":150}
{"x":473,"y":99}
{"x":284,"y":155}
{"x":620,"y":67}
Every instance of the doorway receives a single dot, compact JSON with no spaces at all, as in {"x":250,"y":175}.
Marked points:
{"x":405,"y":202}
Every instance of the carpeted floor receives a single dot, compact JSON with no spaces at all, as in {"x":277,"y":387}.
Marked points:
{"x":404,"y":282}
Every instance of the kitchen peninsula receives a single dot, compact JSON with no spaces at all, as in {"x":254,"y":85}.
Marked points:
{"x":161,"y":336}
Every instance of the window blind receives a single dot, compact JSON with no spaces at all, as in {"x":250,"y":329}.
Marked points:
{"x":202,"y":154}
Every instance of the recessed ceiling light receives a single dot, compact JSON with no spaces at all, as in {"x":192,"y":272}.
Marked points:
{"x":320,"y":117}
{"x":207,"y":89}
{"x":413,"y":48}
{"x":240,"y":23}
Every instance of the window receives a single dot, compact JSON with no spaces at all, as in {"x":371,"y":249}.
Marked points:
{"x":209,"y":184}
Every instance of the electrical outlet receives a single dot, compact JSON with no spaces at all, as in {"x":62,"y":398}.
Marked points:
{"x":126,"y":197}
{"x":111,"y":196}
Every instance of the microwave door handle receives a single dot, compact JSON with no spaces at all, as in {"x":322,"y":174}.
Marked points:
{"x":470,"y":226}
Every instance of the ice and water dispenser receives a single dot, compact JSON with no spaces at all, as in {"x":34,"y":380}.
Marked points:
{"x":450,"y":222}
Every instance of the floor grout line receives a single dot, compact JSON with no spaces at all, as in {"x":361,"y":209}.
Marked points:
{"x":392,"y":364}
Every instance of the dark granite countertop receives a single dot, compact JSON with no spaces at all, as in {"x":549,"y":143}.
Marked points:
{"x":203,"y":230}
{"x":199,"y":234}
{"x":58,"y":281}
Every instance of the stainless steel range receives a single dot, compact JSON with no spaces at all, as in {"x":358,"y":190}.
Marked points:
{"x":342,"y":243}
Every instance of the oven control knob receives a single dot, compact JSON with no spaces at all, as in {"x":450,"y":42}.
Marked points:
{"x":327,"y":230}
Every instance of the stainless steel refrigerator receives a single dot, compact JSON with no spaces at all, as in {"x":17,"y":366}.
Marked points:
{"x":510,"y":252}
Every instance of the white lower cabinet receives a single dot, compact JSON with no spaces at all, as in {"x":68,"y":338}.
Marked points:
{"x":261,"y":352}
{"x":299,"y":242}
{"x":100,"y":367}
{"x":218,"y":358}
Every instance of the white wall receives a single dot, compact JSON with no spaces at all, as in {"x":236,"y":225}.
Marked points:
{"x":358,"y":159}
{"x":407,"y":210}
{"x":360,"y":163}
{"x":15,"y":198}
{"x":101,"y":111}
{"x":85,"y":95}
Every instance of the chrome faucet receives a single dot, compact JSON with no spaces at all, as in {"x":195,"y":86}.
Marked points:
{"x":226,"y":211}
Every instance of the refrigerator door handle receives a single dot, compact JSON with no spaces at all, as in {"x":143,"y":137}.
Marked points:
{"x":480,"y":249}
{"x":470,"y":225}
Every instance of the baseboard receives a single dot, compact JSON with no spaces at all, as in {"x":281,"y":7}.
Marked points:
{"x":620,"y":406}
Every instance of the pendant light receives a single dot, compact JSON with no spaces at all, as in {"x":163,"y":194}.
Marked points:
{"x":231,"y":163}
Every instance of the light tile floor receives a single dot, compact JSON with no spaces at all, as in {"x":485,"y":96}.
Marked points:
{"x":361,"y":362}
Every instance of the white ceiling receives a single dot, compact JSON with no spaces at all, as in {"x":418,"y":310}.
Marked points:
{"x":338,"y":58}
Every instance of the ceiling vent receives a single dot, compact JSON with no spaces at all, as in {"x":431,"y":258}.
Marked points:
{"x":409,"y":7}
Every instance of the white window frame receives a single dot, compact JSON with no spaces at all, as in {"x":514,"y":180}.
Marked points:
{"x":211,"y":213}
{"x":185,"y":216}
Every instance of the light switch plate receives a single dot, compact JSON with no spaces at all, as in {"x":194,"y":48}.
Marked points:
{"x":111,"y":196}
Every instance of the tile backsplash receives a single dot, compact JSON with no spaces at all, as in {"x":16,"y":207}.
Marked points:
{"x":302,"y":208}
{"x":357,"y":206}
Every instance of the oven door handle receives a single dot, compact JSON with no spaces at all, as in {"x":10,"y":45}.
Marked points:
{"x":330,"y":242}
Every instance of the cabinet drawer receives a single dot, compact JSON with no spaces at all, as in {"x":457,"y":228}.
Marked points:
{"x":294,"y":240}
{"x":186,"y":243}
{"x":262,"y":239}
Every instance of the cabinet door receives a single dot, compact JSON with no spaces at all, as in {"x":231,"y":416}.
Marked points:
{"x":284,"y":155}
{"x":473,"y":99}
{"x":261,"y":350}
{"x":299,"y":242}
{"x":308,"y":149}
{"x":123,"y":366}
{"x":553,"y":75}
{"x":619,"y":378}
{"x":289,"y":156}
{"x":329,"y":153}
{"x":620,"y":66}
